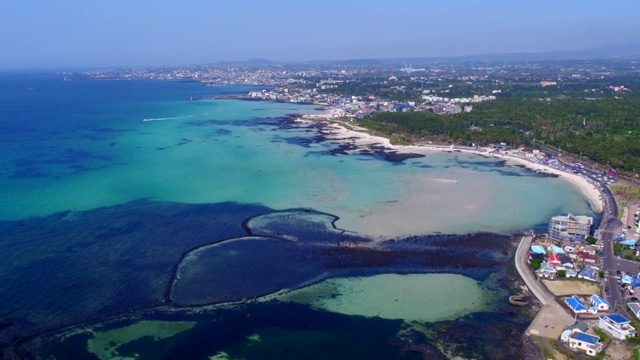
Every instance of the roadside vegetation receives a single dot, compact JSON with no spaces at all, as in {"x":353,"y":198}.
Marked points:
{"x":605,"y":131}
{"x":625,"y":192}
{"x":626,"y":252}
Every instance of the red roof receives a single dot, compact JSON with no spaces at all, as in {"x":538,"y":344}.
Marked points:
{"x":554,"y":259}
{"x":586,"y":255}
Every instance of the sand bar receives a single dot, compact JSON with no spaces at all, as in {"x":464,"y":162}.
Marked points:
{"x":360,"y":137}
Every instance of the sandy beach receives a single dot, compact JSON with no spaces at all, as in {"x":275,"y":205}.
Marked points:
{"x":360,"y":137}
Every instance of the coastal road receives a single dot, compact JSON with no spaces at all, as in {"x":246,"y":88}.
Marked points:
{"x":536,"y":288}
{"x":552,"y":318}
{"x":610,"y":227}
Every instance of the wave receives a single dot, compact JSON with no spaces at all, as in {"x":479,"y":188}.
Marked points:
{"x":167,"y":118}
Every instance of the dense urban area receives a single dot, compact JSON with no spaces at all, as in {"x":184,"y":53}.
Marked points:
{"x":577,"y":116}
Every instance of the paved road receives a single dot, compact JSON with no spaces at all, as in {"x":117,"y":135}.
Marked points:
{"x":552,"y":318}
{"x":536,"y":287}
{"x":610,"y":227}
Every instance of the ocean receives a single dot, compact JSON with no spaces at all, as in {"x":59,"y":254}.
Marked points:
{"x":137,"y":223}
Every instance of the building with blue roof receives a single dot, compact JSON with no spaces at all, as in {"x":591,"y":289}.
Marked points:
{"x":537,"y":249}
{"x":547,"y":271}
{"x":628,"y":242}
{"x":617,"y":326}
{"x":600,"y":303}
{"x":588,"y":343}
{"x":576,"y":305}
{"x":557,"y":250}
{"x":588,"y":274}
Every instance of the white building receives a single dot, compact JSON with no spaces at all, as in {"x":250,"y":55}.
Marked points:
{"x":570,"y":227}
{"x":617,"y":325}
{"x":590,"y":344}
{"x":600,"y":303}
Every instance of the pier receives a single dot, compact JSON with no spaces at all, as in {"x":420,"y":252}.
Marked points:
{"x":552,"y":317}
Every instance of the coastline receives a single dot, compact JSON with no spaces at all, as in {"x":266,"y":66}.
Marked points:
{"x":361,"y":136}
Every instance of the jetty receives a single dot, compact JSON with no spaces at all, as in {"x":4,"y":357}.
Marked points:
{"x":552,"y":317}
{"x":518,"y":300}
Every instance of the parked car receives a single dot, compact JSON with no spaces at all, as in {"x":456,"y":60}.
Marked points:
{"x":631,"y":299}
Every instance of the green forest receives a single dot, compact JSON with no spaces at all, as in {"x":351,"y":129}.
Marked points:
{"x":605,"y":130}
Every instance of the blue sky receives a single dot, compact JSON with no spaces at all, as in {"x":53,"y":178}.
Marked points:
{"x":68,"y":33}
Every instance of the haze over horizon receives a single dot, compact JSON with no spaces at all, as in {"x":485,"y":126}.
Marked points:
{"x":75,"y":33}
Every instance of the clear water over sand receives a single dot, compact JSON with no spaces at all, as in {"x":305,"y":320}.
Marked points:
{"x":100,"y":154}
{"x":82,"y":145}
{"x":409,"y":297}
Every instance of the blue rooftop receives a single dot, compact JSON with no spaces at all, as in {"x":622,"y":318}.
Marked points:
{"x":547,"y":267}
{"x":557,"y":250}
{"x":537,"y":249}
{"x":616,"y":318}
{"x":575,"y":304}
{"x":598,"y":300}
{"x":586,"y":272}
{"x":589,"y":339}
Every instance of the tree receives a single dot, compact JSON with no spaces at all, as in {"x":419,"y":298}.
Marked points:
{"x":535,"y":263}
{"x":601,"y":273}
{"x":591,"y":240}
{"x":562,"y":273}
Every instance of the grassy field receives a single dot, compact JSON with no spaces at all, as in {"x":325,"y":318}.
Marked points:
{"x":571,"y":287}
{"x":625,"y":192}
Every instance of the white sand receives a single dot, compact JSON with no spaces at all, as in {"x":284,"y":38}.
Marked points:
{"x":428,"y":206}
{"x":340,"y":131}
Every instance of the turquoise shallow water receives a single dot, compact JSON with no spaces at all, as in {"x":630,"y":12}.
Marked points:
{"x":87,"y":151}
{"x":100,"y":206}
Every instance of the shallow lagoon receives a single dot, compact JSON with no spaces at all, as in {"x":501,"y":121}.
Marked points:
{"x":91,"y":149}
{"x":77,"y":160}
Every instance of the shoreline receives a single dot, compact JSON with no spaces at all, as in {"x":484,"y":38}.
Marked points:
{"x":361,"y":136}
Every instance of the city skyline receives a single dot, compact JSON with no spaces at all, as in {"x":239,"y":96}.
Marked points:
{"x":78,"y":34}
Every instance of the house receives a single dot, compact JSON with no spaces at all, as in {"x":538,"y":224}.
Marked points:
{"x":554,"y":260}
{"x":635,"y":308}
{"x":546,"y":271}
{"x":588,"y":274}
{"x":570,"y":273}
{"x":556,"y":250}
{"x":533,"y":256}
{"x":591,"y":249}
{"x":565,"y":261}
{"x":538,"y":249}
{"x":600,"y":303}
{"x":617,"y":326}
{"x":590,"y":344}
{"x":578,"y":307}
{"x":586,"y":257}
{"x":570,"y":249}
{"x":580,"y":325}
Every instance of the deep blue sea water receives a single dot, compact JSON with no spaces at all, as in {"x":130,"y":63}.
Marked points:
{"x":103,"y":212}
